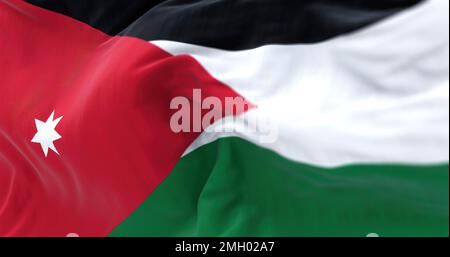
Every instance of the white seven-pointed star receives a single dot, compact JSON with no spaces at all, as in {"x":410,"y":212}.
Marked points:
{"x":46,"y":133}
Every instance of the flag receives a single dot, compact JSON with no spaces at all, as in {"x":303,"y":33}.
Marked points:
{"x":224,"y":118}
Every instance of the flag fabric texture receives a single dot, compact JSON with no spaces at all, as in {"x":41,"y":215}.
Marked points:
{"x":358,"y":91}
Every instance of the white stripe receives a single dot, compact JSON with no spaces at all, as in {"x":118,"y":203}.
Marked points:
{"x":380,"y":95}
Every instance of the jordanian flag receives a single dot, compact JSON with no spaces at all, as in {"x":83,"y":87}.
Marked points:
{"x":224,"y":118}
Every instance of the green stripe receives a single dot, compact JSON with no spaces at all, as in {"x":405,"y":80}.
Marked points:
{"x":234,"y":188}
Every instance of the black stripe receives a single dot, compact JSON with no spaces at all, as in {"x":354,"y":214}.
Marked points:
{"x":244,"y":24}
{"x":110,"y":16}
{"x":229,"y":24}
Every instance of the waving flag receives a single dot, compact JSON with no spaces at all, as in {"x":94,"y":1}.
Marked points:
{"x":353,"y":95}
